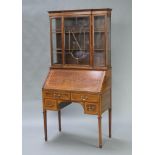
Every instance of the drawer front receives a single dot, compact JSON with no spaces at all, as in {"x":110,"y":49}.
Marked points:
{"x":47,"y":94}
{"x":91,"y":108}
{"x":56,"y":95}
{"x":61,"y":95}
{"x":84,"y":97}
{"x":50,"y":104}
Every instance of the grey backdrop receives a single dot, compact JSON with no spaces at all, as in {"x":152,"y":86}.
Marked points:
{"x":79,"y":130}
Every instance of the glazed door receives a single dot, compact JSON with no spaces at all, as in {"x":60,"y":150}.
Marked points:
{"x":77,"y":40}
{"x":99,"y":41}
{"x":56,"y":41}
{"x":108,"y":44}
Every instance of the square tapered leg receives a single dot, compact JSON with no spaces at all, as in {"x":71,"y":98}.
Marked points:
{"x":59,"y":120}
{"x":110,"y":113}
{"x":45,"y":123}
{"x":100,"y":131}
{"x":110,"y":119}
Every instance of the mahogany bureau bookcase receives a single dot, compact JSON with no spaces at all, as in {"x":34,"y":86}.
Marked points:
{"x":80,"y":64}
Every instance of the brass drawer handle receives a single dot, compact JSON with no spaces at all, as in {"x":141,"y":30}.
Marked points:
{"x":91,"y":107}
{"x":56,"y":96}
{"x":50,"y":104}
{"x":84,"y":98}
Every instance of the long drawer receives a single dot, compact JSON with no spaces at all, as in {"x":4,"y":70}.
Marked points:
{"x":84,"y":97}
{"x":56,"y":95}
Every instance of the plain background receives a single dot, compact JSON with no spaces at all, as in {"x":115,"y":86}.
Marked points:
{"x":79,"y":130}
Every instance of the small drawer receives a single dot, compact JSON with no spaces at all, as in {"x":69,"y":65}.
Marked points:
{"x":50,"y":104}
{"x":84,"y":97}
{"x":47,"y":94}
{"x":91,"y":108}
{"x":61,"y":95}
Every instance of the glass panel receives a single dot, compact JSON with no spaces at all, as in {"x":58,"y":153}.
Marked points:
{"x":77,"y":40}
{"x":99,"y":58}
{"x":57,"y":58}
{"x":56,"y":24}
{"x":56,"y":41}
{"x":99,"y":23}
{"x":99,"y":41}
{"x":109,"y":40}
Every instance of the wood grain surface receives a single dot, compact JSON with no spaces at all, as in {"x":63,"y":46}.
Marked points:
{"x":75,"y":80}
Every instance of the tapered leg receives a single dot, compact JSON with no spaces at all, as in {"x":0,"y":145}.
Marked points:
{"x":100,"y":131}
{"x":59,"y":119}
{"x":110,"y":113}
{"x":45,"y":124}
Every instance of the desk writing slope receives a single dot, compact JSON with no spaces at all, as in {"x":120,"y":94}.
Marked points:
{"x":75,"y":80}
{"x":80,"y":70}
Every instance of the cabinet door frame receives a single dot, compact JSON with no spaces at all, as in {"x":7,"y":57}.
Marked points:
{"x":63,"y":16}
{"x":99,"y":14}
{"x":51,"y":40}
{"x":108,"y":45}
{"x":90,"y":43}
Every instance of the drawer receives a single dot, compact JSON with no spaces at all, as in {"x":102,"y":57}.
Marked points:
{"x":56,"y":95}
{"x":47,"y":93}
{"x":50,"y":104}
{"x":84,"y":97}
{"x":91,"y":108}
{"x":61,"y":95}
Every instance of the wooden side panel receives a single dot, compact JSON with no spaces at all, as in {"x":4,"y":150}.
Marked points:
{"x":105,"y":105}
{"x":106,"y":92}
{"x":107,"y":81}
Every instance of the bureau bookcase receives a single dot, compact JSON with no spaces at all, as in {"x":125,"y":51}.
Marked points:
{"x":80,"y":70}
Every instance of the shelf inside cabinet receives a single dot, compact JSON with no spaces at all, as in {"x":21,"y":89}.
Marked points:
{"x":99,"y":31}
{"x":56,"y":32}
{"x":81,"y":32}
{"x":98,"y":49}
{"x":76,"y":49}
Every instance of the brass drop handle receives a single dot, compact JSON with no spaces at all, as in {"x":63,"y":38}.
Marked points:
{"x":50,"y":104}
{"x":57,"y":95}
{"x":91,"y":107}
{"x":84,"y":98}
